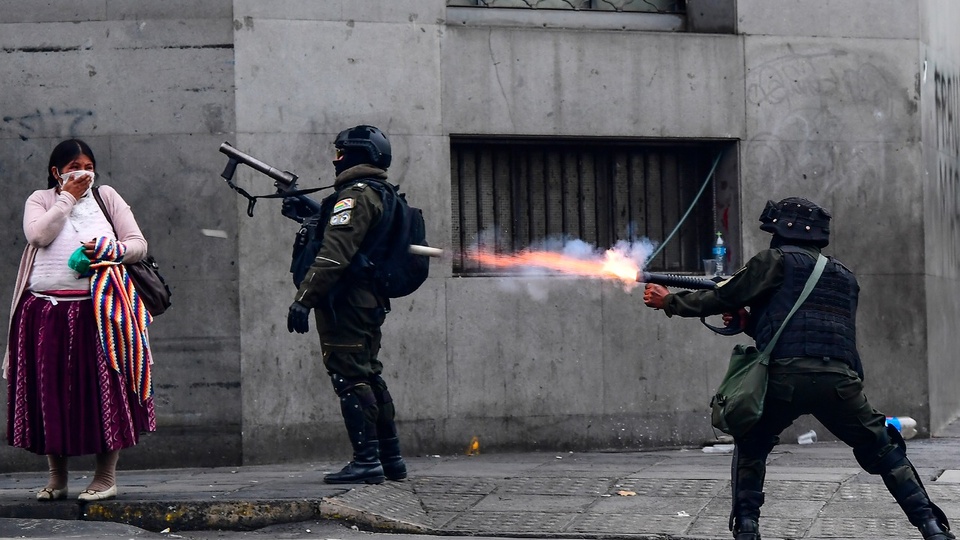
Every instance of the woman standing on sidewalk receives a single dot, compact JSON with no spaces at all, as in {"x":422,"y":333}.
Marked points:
{"x":78,"y":361}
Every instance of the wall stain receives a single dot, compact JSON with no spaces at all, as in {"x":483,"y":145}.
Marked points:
{"x":44,"y":123}
{"x":179,"y":47}
{"x":40,"y":49}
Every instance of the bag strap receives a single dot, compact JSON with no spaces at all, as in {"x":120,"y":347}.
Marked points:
{"x":807,"y":289}
{"x":103,"y":208}
{"x":384,"y":227}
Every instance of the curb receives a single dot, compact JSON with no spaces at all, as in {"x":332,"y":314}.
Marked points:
{"x":332,"y":509}
{"x":157,"y":516}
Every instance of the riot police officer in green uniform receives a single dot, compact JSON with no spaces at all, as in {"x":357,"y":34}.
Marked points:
{"x":814,"y":367}
{"x":348,"y":310}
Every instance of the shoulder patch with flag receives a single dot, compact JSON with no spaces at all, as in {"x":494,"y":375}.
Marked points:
{"x":342,"y":205}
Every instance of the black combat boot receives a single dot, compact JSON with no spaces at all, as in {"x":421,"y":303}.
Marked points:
{"x":394,"y":467}
{"x":746,"y":529}
{"x":364,"y":469}
{"x":905,"y":485}
{"x":359,"y":410}
{"x":933,"y":530}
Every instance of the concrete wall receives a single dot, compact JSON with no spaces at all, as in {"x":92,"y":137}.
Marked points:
{"x":519,"y":363}
{"x":939,"y":82}
{"x":305,"y":71}
{"x":833,"y":113}
{"x":826,"y":98}
{"x":841,"y":107}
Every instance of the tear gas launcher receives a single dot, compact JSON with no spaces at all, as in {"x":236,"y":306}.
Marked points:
{"x":284,"y":181}
{"x":679,"y":281}
{"x":296,"y":204}
{"x":694,"y":283}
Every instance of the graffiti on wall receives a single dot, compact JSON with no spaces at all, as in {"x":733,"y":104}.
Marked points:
{"x":50,"y":122}
{"x":797,"y":77}
{"x":824,"y":115}
{"x":947,"y":187}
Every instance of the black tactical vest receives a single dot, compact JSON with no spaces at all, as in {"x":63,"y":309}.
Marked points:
{"x":825,"y":325}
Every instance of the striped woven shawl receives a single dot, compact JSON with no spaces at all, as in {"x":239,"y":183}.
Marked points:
{"x":121,"y":317}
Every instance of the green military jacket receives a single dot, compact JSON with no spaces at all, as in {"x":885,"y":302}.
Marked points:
{"x":751,"y":285}
{"x":357,"y":211}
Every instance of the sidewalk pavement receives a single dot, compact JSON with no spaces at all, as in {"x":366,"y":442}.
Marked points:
{"x":814,"y":491}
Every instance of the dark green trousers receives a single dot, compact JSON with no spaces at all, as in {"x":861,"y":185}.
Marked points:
{"x":826,"y":389}
{"x":350,"y":340}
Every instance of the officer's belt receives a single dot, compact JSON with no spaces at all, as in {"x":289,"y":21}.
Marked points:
{"x":806,"y":364}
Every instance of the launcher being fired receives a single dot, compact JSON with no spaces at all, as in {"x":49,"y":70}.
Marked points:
{"x":695,"y":283}
{"x":678,"y":281}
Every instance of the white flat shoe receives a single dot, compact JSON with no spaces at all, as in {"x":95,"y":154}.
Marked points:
{"x":91,"y":495}
{"x":50,"y":494}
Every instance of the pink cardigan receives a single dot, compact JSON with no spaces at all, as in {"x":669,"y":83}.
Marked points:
{"x":44,"y":216}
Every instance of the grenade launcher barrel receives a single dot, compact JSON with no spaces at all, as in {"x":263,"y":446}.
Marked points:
{"x":283,"y":180}
{"x":673,"y":280}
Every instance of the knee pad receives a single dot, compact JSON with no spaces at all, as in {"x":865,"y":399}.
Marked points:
{"x":342,"y":385}
{"x":380,"y":389}
{"x":355,"y":391}
{"x":387,"y":413}
{"x":881,"y":460}
{"x":366,"y":396}
{"x":896,"y":438}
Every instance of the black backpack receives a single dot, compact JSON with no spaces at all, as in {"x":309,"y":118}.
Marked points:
{"x":384,"y":258}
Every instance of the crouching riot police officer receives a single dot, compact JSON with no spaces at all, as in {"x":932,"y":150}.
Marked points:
{"x":814,"y":367}
{"x":348,"y":310}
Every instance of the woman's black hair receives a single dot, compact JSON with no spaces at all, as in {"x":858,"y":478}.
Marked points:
{"x":64,"y":153}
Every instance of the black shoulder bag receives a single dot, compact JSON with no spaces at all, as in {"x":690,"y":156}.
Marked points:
{"x":145,"y":274}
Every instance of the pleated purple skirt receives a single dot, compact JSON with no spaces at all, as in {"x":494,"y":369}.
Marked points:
{"x":63,"y":397}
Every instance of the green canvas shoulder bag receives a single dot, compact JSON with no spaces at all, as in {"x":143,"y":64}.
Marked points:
{"x":738,"y":403}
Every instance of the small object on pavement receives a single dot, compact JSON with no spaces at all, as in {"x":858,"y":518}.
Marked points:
{"x":474,"y":448}
{"x":809,"y":437}
{"x":904,"y":424}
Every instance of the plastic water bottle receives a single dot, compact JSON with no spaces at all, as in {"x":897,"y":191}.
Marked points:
{"x":719,"y":253}
{"x":905,"y":425}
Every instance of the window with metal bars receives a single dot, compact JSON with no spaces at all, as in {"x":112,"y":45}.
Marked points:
{"x":654,"y":6}
{"x":509,"y":194}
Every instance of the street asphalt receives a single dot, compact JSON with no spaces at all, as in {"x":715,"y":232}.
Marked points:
{"x":813,"y":491}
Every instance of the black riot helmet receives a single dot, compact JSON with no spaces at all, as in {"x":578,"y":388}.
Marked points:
{"x":362,"y":144}
{"x":797,"y":219}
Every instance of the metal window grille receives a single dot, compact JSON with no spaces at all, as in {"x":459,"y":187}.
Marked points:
{"x":511,"y":194}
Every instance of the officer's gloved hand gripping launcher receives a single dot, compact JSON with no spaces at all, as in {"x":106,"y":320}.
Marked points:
{"x":695,"y":283}
{"x":296,"y":203}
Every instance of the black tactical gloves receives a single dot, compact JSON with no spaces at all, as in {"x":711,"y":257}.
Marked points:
{"x":298,"y":208}
{"x":298,"y":318}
